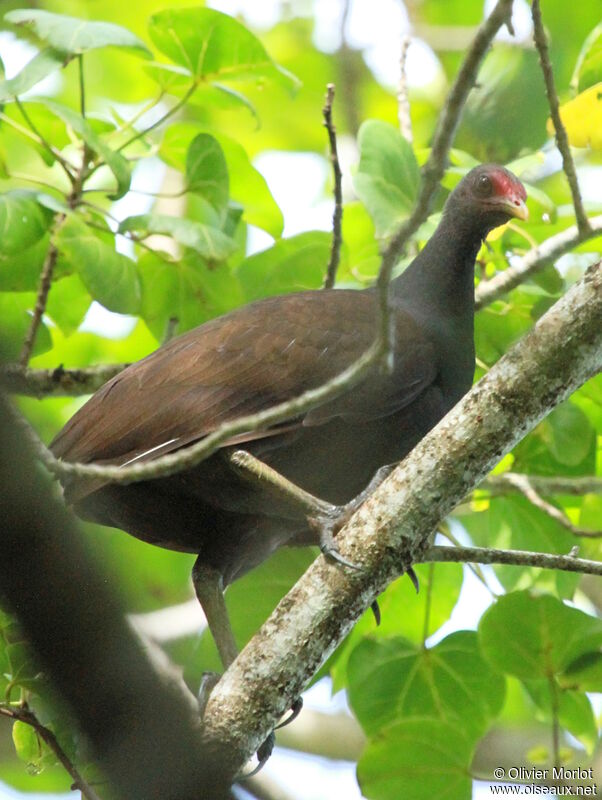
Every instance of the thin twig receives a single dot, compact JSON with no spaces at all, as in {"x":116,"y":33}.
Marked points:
{"x":435,"y":166}
{"x":534,"y":261}
{"x":337,"y":216}
{"x":519,"y":558}
{"x":42,"y":295}
{"x":23,"y":714}
{"x":562,"y":141}
{"x":526,"y":488}
{"x":187,"y":458}
{"x":403,"y":100}
{"x":173,"y":110}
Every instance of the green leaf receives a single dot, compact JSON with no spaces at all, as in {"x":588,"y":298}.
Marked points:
{"x":390,"y":679}
{"x":388,"y":178}
{"x":20,"y":271}
{"x":536,"y":636}
{"x":247,"y":185}
{"x":568,"y":433}
{"x":584,"y":674}
{"x":114,"y":160}
{"x":23,"y":221}
{"x":403,"y":612}
{"x":418,"y":758}
{"x":15,"y":320}
{"x":68,"y":302}
{"x":209,"y":242}
{"x":588,"y":69}
{"x":41,"y":65}
{"x":73,"y":35}
{"x":184,"y":290}
{"x":207,"y":171}
{"x":213,"y":46}
{"x":290,"y":265}
{"x":27,"y":743}
{"x":109,"y":276}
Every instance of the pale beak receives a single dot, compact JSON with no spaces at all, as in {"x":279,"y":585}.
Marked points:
{"x":516,"y":208}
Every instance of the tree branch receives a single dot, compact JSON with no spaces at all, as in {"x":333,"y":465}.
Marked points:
{"x":505,"y":482}
{"x":568,"y":165}
{"x":58,"y":382}
{"x":534,"y":261}
{"x":393,"y":528}
{"x":435,"y":166}
{"x":337,"y":215}
{"x":42,"y":296}
{"x":25,"y":715}
{"x":520,"y":558}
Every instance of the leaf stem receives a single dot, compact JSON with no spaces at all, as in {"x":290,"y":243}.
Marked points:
{"x":82,"y":91}
{"x":173,"y":110}
{"x":45,"y":144}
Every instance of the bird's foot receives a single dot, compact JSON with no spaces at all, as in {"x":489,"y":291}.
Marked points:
{"x":265,"y":751}
{"x":209,"y":681}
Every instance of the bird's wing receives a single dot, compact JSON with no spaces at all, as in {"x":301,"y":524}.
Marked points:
{"x":240,"y":364}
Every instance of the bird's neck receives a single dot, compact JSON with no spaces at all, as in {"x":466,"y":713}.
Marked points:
{"x":439,"y":283}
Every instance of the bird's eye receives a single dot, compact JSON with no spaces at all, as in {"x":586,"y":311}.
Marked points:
{"x":484,"y":186}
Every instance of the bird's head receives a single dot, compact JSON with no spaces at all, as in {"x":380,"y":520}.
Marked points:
{"x":488,"y":196}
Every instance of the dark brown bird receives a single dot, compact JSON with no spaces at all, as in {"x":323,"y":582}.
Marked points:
{"x":265,"y":353}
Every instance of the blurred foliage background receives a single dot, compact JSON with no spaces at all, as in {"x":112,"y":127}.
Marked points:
{"x":207,"y":185}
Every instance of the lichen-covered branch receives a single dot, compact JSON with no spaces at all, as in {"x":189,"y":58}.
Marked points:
{"x":394,"y":527}
{"x":337,"y":215}
{"x":534,"y":261}
{"x":568,"y":165}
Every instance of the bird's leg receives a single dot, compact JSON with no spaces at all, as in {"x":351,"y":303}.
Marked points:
{"x":208,"y":585}
{"x":325,"y":518}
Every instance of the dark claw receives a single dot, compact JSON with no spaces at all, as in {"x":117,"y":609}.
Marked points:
{"x":376,"y":611}
{"x":295,"y":711}
{"x":414,"y":578}
{"x":332,"y":554}
{"x":263,"y":754}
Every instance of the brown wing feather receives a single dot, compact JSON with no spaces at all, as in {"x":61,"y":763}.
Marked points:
{"x":239,"y":364}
